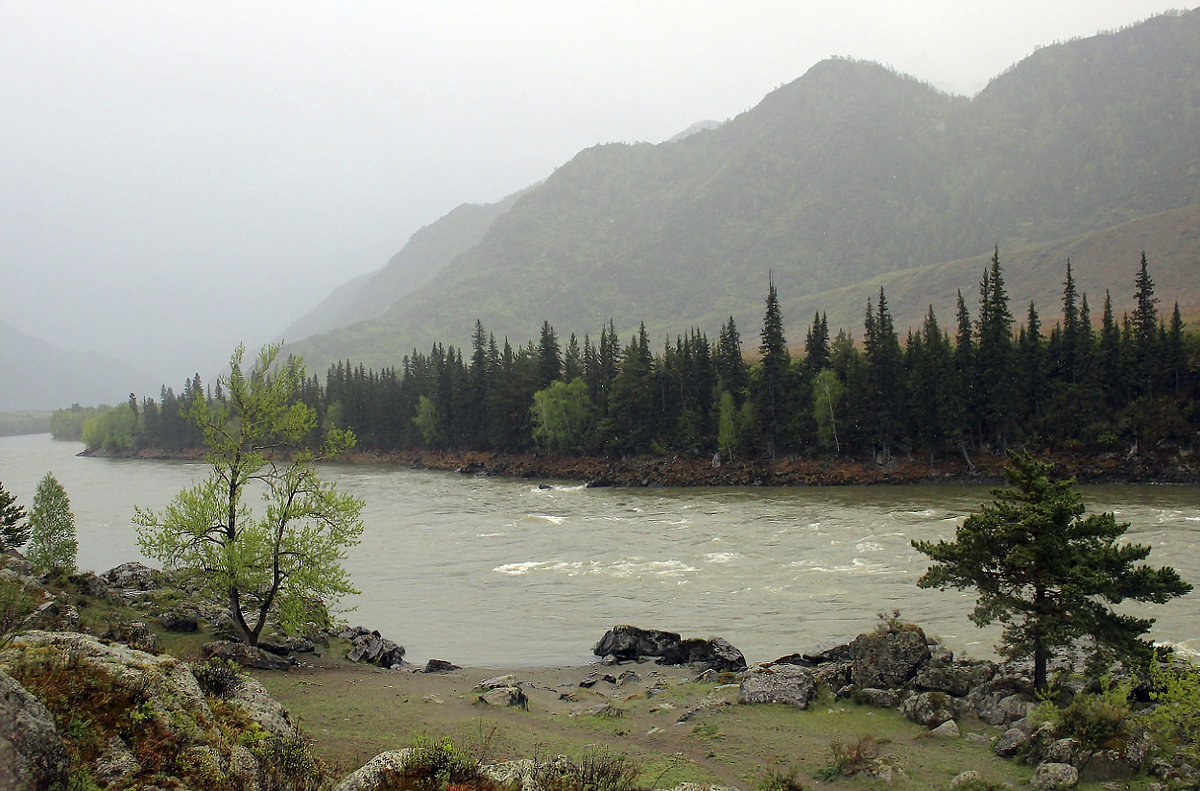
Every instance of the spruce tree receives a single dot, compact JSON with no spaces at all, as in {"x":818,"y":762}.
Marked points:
{"x":885,"y":396}
{"x":732,"y":375}
{"x":770,"y":392}
{"x":1145,"y":329}
{"x":549,"y":357}
{"x":994,"y":374}
{"x":816,"y":345}
{"x":14,"y":530}
{"x":1048,"y":573}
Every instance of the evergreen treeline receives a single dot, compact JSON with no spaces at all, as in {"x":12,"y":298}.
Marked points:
{"x":986,"y":381}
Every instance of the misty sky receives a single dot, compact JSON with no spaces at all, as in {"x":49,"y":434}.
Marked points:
{"x":182,"y":176}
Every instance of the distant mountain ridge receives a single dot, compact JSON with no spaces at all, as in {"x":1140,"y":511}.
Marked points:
{"x":849,"y":175}
{"x":35,"y":375}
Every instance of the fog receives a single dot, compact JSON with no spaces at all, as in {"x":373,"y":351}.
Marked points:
{"x":182,"y":177}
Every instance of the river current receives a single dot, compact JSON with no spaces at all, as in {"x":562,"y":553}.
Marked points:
{"x":500,"y":572}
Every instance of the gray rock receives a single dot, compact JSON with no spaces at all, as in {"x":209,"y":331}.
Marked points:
{"x":377,"y":774}
{"x":116,"y":764}
{"x":183,"y":618}
{"x":1117,"y":763}
{"x":495,"y":682}
{"x":245,"y":655}
{"x":1010,"y":742}
{"x":252,"y":697}
{"x":1063,"y":751}
{"x":630,"y":642}
{"x":243,"y":767}
{"x":789,"y":684}
{"x":1052,"y":776}
{"x":957,"y":679}
{"x":888,"y":659}
{"x":134,"y":576}
{"x":930,"y":709}
{"x":504,"y":696}
{"x":89,"y":584}
{"x":32,"y":754}
{"x":440,"y":666}
{"x":969,"y":777}
{"x":368,"y":645}
{"x":713,"y":653}
{"x":947,"y":730}
{"x":833,"y":675}
{"x":175,"y":706}
{"x":879,"y":698}
{"x":134,"y":634}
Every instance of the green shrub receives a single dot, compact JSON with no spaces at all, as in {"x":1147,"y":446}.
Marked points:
{"x":216,"y":677}
{"x":1174,"y":719}
{"x":849,"y":758}
{"x":595,"y":770}
{"x":17,"y":602}
{"x":779,"y":780}
{"x":287,"y":763}
{"x":1095,"y":719}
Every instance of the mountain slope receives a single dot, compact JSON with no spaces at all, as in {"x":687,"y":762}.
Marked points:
{"x":840,"y":177}
{"x":36,"y":375}
{"x":427,"y":251}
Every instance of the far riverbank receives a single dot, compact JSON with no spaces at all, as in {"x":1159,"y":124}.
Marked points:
{"x":1173,"y":466}
{"x":683,"y":471}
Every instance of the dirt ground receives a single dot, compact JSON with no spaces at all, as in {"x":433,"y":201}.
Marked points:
{"x":677,"y":727}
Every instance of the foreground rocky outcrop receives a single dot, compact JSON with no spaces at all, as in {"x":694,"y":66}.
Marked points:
{"x":32,"y":754}
{"x":127,"y":718}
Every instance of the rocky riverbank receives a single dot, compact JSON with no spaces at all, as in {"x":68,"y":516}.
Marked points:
{"x":1175,"y":467}
{"x":111,"y":689}
{"x":1164,"y":466}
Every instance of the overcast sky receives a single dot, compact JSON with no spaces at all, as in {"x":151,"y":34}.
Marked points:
{"x":181,"y":176}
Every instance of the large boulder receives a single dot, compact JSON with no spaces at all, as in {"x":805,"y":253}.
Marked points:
{"x":779,"y":683}
{"x":627,"y":642}
{"x":32,"y":755}
{"x":149,"y":723}
{"x":368,"y":645}
{"x":930,"y":709}
{"x":888,"y":658}
{"x":134,"y":576}
{"x":957,"y":679}
{"x":245,"y":655}
{"x":134,"y":634}
{"x":183,"y":617}
{"x":715,"y":653}
{"x":378,"y":774}
{"x":631,"y":643}
{"x":248,"y":694}
{"x":1054,"y":777}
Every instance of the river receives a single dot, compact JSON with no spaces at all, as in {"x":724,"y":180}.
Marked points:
{"x":500,"y":572}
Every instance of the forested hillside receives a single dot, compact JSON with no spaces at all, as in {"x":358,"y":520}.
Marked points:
{"x":850,"y":174}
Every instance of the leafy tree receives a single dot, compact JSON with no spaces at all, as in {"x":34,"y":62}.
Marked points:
{"x":52,"y":542}
{"x":14,"y":531}
{"x":1047,"y":572}
{"x":284,"y":562}
{"x":827,"y":392}
{"x":562,"y":416}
